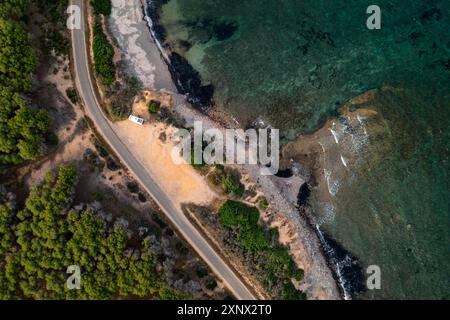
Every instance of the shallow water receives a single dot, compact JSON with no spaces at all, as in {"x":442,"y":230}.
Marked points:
{"x":294,"y":63}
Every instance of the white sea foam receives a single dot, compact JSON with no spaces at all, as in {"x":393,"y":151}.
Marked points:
{"x":363,"y":125}
{"x":150,"y":3}
{"x":323,"y":148}
{"x":339,"y":265}
{"x":344,"y":162}
{"x":358,"y":141}
{"x":334,"y":133}
{"x":332,"y":184}
{"x":327,"y":213}
{"x":160,"y":47}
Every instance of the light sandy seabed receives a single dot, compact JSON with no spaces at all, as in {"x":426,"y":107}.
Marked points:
{"x":143,"y":58}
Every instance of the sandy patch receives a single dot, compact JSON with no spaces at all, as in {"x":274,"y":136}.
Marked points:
{"x":181,"y":182}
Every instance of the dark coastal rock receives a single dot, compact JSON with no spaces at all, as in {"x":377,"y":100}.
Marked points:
{"x":352,"y":276}
{"x":285,"y":173}
{"x":188,"y":81}
{"x":160,"y":32}
{"x":345,"y":267}
{"x":152,"y":12}
{"x":303,"y":195}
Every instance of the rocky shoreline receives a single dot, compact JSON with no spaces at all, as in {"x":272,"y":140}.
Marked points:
{"x":346,"y":270}
{"x":321,"y":256}
{"x":313,"y":251}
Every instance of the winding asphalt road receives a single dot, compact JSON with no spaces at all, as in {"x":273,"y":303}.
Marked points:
{"x":175,"y":215}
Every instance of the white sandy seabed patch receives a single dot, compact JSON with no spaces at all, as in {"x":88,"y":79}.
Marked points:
{"x":143,"y":59}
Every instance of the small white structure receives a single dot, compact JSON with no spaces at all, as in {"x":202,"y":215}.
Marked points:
{"x":137,"y":120}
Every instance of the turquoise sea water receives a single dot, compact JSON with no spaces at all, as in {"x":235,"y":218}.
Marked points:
{"x":293,"y":63}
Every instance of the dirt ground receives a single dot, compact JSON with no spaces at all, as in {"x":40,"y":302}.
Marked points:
{"x":181,"y":182}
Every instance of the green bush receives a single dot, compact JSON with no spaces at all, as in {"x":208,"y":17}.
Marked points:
{"x":153,"y":106}
{"x":274,"y":233}
{"x":211,"y":285}
{"x":263,"y":204}
{"x":253,"y":239}
{"x":103,"y":56}
{"x":289,"y":292}
{"x":52,"y":139}
{"x":17,"y":57}
{"x":14,"y":8}
{"x":72,"y":94}
{"x":54,"y":36}
{"x":219,"y":168}
{"x":22,"y":128}
{"x":232,"y":185}
{"x":299,"y":274}
{"x":167,"y":293}
{"x":201,"y":272}
{"x":236,"y":214}
{"x":118,"y":110}
{"x":102,"y":7}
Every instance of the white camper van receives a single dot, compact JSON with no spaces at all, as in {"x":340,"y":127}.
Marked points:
{"x":137,"y":120}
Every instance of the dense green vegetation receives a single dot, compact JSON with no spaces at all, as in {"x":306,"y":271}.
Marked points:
{"x":232,"y":185}
{"x":103,"y":56}
{"x":263,"y":204}
{"x":230,"y":180}
{"x":277,"y":267}
{"x":118,"y":95}
{"x":17,"y":58}
{"x":55,"y":35}
{"x":22,"y":128}
{"x":38,"y":243}
{"x":121,"y":95}
{"x":14,"y":8}
{"x":237,"y":214}
{"x":102,"y":7}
